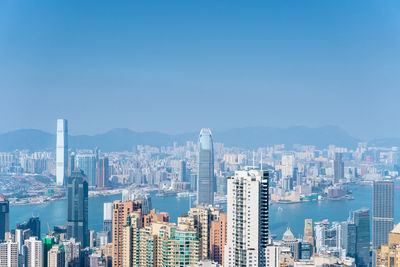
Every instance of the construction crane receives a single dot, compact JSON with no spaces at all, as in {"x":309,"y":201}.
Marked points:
{"x":48,"y":227}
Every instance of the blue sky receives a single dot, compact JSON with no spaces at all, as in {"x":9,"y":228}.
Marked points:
{"x":178,"y":66}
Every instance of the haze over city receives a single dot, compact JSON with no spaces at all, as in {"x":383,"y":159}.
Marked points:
{"x":177,"y":66}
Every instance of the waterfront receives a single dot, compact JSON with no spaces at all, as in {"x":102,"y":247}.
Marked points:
{"x":281,"y":215}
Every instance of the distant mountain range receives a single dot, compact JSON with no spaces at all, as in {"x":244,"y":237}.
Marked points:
{"x":125,"y":139}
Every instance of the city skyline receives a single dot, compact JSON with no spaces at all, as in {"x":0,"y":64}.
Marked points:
{"x":199,"y":133}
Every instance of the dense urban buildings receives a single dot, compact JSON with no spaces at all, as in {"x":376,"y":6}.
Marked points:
{"x":247,"y":223}
{"x":62,"y":152}
{"x":77,"y":223}
{"x":206,"y":179}
{"x":131,"y":232}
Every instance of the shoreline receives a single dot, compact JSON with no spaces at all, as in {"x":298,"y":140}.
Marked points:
{"x":110,"y":193}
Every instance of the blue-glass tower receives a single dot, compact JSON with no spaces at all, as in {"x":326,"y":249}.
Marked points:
{"x":205,"y":180}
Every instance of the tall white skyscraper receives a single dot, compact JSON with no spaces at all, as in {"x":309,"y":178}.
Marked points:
{"x":247,"y":231}
{"x":9,"y":254}
{"x":35,"y":252}
{"x":62,"y":151}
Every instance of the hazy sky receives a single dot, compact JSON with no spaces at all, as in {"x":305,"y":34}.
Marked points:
{"x":178,"y":66}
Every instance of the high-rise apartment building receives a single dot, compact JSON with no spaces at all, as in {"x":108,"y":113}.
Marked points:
{"x":87,"y":163}
{"x":62,"y":152}
{"x":160,"y":243}
{"x":288,"y":164}
{"x":35,"y":252}
{"x":338,"y":167}
{"x":20,"y":236}
{"x":308,"y":231}
{"x":349,"y":238}
{"x":4,"y":216}
{"x":218,"y":238}
{"x":102,"y":172}
{"x":388,"y":255}
{"x":182,"y":171}
{"x":205,"y":178}
{"x":77,"y":224}
{"x":56,"y":256}
{"x":382,"y":212}
{"x":72,"y":252}
{"x":107,"y":220}
{"x":247,"y":229}
{"x":9,"y":254}
{"x":361,"y":220}
{"x":121,"y":210}
{"x":203,"y":216}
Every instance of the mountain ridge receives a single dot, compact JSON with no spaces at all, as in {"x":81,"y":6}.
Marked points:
{"x":124,"y":139}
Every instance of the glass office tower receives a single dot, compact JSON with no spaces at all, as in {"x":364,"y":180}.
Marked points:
{"x":383,"y":212}
{"x":363,"y":236}
{"x":205,"y":180}
{"x":77,"y":224}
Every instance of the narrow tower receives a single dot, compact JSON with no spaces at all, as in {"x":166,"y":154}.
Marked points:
{"x":77,"y":225}
{"x":247,"y":223}
{"x":62,"y":151}
{"x":205,"y":180}
{"x":382,"y":212}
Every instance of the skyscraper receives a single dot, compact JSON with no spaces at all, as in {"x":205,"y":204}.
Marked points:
{"x":77,"y":225}
{"x":363,"y":236}
{"x":247,"y":231}
{"x":4,"y":216}
{"x":338,"y":167}
{"x":308,"y":231}
{"x":102,"y":172}
{"x":288,"y":164}
{"x":62,"y":151}
{"x":202,"y":218}
{"x":56,"y":256}
{"x":205,"y":180}
{"x":389,"y":254}
{"x":382,"y":212}
{"x":9,"y":254}
{"x":87,"y":163}
{"x":35,"y":252}
{"x":182,"y":171}
{"x":33,"y":224}
{"x":218,"y":238}
{"x":107,"y":220}
{"x":121,"y":210}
